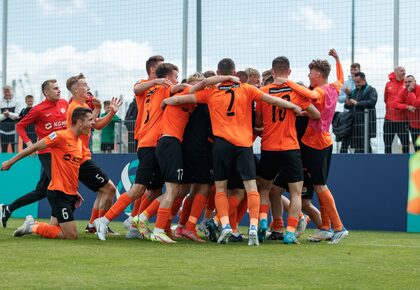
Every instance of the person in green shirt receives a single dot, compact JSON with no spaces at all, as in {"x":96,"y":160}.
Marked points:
{"x":108,"y":132}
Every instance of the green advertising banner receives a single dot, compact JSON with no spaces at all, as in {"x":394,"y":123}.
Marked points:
{"x":19,"y":180}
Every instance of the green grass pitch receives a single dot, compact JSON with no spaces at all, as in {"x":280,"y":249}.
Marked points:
{"x":364,"y":260}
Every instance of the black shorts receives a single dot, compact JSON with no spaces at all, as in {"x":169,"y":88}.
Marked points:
{"x":307,"y":189}
{"x":62,"y":205}
{"x":92,"y":176}
{"x":287,"y":164}
{"x":148,"y":170}
{"x":107,"y":146}
{"x":169,"y":156}
{"x":235,"y":181}
{"x":317,"y":162}
{"x":228,"y":157}
{"x":197,"y":163}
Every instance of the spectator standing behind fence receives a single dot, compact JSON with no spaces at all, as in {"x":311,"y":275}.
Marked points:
{"x":8,"y":116}
{"x":395,"y":119}
{"x":108,"y":132}
{"x":129,"y":122}
{"x":409,"y":100}
{"x":30,"y":130}
{"x":345,"y":93}
{"x":363,"y":97}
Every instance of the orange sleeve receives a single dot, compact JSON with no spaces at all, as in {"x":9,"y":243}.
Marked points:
{"x":304,"y":92}
{"x":52,"y":140}
{"x":202,"y":96}
{"x":256,"y":93}
{"x":340,"y":76}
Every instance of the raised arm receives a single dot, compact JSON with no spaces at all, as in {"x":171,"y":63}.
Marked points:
{"x":140,"y":88}
{"x":114,"y":106}
{"x":40,"y":145}
{"x":338,"y":68}
{"x":304,"y":92}
{"x":212,"y":81}
{"x":179,"y":100}
{"x":179,"y":88}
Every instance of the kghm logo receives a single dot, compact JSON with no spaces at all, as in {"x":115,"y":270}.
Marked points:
{"x":128,"y":176}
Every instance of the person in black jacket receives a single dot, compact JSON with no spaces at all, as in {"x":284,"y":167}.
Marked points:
{"x":129,"y":122}
{"x":30,"y":130}
{"x":361,"y":98}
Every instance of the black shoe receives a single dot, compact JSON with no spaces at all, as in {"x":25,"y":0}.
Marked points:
{"x":111,"y":232}
{"x":236,"y":239}
{"x":90,"y":230}
{"x":276,"y":236}
{"x":5,"y":214}
{"x":213,"y":230}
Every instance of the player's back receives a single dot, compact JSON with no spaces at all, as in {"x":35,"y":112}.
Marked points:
{"x":230,"y":106}
{"x":280,"y":124}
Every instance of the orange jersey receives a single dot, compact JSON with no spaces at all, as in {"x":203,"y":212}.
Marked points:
{"x":140,"y":107}
{"x":317,"y":134}
{"x":175,"y":118}
{"x":66,"y":157}
{"x":279,"y":124}
{"x":85,"y":138}
{"x":151,"y":125}
{"x":230,"y":106}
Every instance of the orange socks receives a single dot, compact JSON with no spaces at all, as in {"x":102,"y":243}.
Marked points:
{"x":242,"y":207}
{"x":118,"y":207}
{"x":145,"y":202}
{"x":263,"y":211}
{"x":162,"y":218}
{"x":253,"y":207}
{"x":233,"y":211}
{"x":176,"y":205}
{"x":222,"y":206}
{"x":292,"y":223}
{"x":196,"y":209}
{"x":94,"y":215}
{"x":152,"y":209}
{"x":136,"y":207}
{"x":185,"y":211}
{"x":45,"y":230}
{"x":101,"y":212}
{"x":329,"y":203}
{"x":278,"y":225}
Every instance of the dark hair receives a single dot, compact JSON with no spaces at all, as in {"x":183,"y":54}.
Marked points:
{"x":80,"y":113}
{"x":107,"y":103}
{"x":280,"y":64}
{"x":268,"y":81}
{"x":72,"y":80}
{"x":45,"y":84}
{"x":152,"y":61}
{"x":29,"y":97}
{"x":361,"y":75}
{"x":355,"y":65}
{"x":243,"y":76}
{"x":164,"y":69}
{"x":226,"y":67}
{"x":322,"y":66}
{"x":410,"y":76}
{"x":209,"y":73}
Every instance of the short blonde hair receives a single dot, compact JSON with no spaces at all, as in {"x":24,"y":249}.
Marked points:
{"x":195,"y":77}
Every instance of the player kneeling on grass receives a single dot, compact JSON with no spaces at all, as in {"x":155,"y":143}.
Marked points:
{"x":62,"y":194}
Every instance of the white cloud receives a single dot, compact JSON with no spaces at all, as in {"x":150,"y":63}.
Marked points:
{"x":60,"y":8}
{"x":313,"y":19}
{"x":111,"y":68}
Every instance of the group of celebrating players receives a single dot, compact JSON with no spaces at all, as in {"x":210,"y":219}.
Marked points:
{"x":196,"y":139}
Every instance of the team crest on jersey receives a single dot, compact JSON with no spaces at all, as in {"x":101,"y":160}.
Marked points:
{"x":53,"y":135}
{"x":48,"y":126}
{"x":63,"y":111}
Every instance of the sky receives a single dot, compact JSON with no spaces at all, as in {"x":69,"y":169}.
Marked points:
{"x":109,"y":40}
